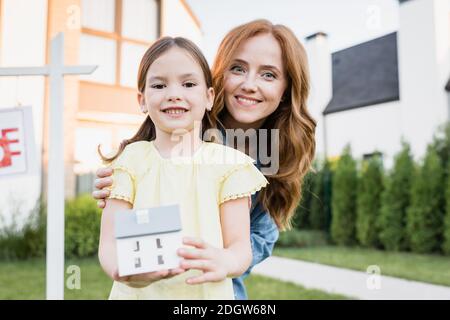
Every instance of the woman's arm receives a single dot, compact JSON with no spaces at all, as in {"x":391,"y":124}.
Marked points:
{"x":234,"y":258}
{"x":107,"y":250}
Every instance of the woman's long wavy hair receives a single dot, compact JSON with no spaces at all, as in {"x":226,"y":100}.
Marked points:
{"x":292,"y":119}
{"x":147,"y":130}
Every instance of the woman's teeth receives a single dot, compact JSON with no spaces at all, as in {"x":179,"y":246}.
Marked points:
{"x":247,"y":101}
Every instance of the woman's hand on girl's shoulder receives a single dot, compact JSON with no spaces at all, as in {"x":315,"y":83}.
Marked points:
{"x":103,"y":180}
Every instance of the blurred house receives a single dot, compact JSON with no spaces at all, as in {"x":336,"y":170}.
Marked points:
{"x":374,"y":93}
{"x":100,"y":108}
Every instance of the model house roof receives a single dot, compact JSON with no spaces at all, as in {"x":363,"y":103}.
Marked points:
{"x":365,"y":74}
{"x":156,"y":220}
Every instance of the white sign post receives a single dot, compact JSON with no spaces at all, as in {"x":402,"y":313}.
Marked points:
{"x":55,"y":195}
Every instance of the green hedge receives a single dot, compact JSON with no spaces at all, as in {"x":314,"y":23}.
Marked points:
{"x":446,"y":244}
{"x":425,"y":216}
{"x":344,"y":200}
{"x":26,"y":241}
{"x":395,"y":200}
{"x":370,"y":187}
{"x":406,"y":209}
{"x":82,"y":227}
{"x":83,"y":219}
{"x":320,"y":213}
{"x":302,"y":213}
{"x":302,"y":238}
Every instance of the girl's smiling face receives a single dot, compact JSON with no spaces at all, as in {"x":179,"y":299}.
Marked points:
{"x":176,"y":95}
{"x":255,"y":82}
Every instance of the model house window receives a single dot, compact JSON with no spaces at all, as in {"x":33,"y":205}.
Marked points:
{"x":137,"y":262}
{"x":115,"y":35}
{"x":160,"y":260}
{"x":158,"y":243}
{"x":136,"y":246}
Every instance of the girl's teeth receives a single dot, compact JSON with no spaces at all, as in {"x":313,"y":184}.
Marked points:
{"x":177,"y":111}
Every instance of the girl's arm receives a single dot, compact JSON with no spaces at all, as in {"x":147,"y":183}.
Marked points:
{"x":236,"y":256}
{"x":107,"y":246}
{"x":107,"y":250}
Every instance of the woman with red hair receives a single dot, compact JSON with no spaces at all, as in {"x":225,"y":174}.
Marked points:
{"x":261,"y":81}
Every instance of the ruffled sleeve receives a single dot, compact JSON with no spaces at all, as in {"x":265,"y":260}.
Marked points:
{"x":124,"y":173}
{"x":123,"y":187}
{"x":242,"y":180}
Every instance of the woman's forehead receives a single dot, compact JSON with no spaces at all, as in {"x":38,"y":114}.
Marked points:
{"x":262,"y":49}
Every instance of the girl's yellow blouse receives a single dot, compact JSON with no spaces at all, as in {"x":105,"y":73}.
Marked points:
{"x":198,"y":184}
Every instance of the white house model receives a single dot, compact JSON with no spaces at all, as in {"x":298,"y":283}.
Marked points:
{"x":147,"y":239}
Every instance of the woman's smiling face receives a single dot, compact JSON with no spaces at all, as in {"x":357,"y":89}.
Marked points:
{"x":255,"y":82}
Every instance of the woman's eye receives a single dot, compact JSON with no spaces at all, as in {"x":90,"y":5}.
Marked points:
{"x":189,"y":84}
{"x":269,"y":75}
{"x":157,"y":86}
{"x":237,"y":69}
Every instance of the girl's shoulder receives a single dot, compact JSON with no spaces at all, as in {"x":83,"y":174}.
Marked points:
{"x":135,"y":157}
{"x":223,"y":155}
{"x":235,"y":172}
{"x":138,"y":147}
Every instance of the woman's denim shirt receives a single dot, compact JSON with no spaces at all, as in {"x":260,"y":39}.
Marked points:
{"x":263,"y":235}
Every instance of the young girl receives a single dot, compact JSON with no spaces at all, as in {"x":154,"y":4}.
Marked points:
{"x":211,"y":183}
{"x":268,"y":64}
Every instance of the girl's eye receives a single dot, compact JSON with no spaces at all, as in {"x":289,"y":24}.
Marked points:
{"x":269,"y":76}
{"x":237,"y":69}
{"x":189,"y":84}
{"x":157,"y":86}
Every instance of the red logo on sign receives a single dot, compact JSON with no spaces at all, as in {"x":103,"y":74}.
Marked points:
{"x":4,"y":145}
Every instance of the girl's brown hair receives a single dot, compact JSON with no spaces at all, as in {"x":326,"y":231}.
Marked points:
{"x":295,"y":124}
{"x":147,"y":131}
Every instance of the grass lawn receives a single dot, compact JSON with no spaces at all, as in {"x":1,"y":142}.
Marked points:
{"x":420,"y":267}
{"x":26,"y":280}
{"x":264,"y":288}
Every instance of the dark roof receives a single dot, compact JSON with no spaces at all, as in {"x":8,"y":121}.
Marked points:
{"x":365,"y":74}
{"x":447,"y":87}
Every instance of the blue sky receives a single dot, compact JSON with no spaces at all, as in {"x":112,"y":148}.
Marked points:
{"x":347,"y":22}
